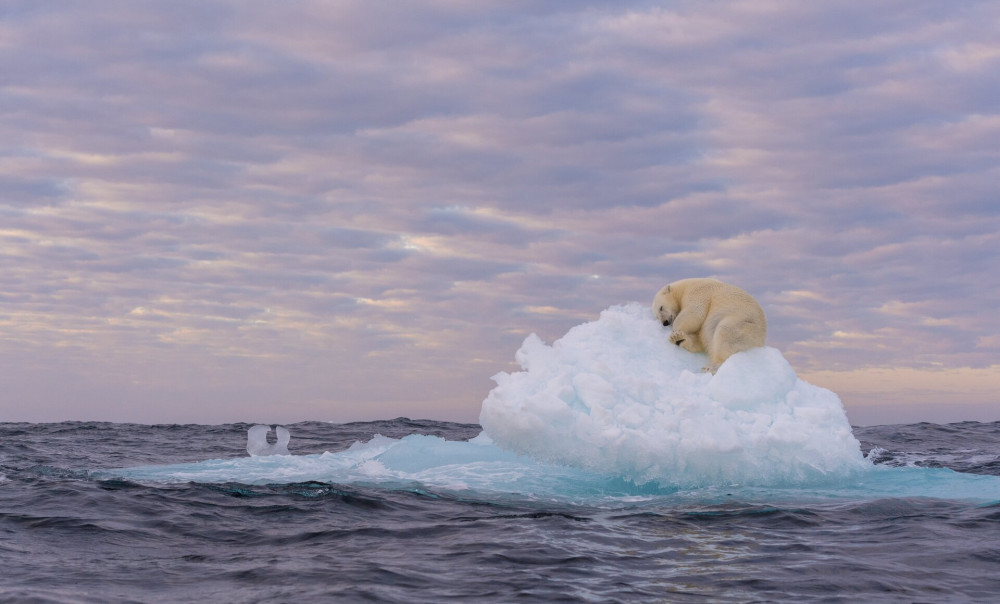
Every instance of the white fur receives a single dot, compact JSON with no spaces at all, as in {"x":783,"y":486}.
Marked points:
{"x":712,"y":317}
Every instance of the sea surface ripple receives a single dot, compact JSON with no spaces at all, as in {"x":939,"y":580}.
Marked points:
{"x":69,"y":536}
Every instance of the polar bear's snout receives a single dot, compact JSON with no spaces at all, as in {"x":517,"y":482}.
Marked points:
{"x":665,"y":316}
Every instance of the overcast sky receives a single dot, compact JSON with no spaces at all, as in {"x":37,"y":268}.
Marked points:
{"x":217,"y":211}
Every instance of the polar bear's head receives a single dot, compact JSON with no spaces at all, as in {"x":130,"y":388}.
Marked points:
{"x":665,"y":306}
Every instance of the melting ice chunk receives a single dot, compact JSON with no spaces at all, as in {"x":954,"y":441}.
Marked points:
{"x":614,"y":396}
{"x":257,"y":441}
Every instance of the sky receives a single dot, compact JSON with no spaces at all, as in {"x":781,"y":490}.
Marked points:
{"x":216,"y":211}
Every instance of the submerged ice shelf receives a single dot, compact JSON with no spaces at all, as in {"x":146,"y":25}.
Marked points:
{"x":613,"y":412}
{"x":478,"y":469}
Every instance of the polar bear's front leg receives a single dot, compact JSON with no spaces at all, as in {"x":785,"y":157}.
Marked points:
{"x":689,"y":320}
{"x":685,"y":341}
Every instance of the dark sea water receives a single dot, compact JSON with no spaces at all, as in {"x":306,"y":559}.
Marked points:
{"x":72,"y":533}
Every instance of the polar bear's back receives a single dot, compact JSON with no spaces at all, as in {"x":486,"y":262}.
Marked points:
{"x":723,"y":299}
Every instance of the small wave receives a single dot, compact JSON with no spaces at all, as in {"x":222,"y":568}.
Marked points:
{"x":965,"y":447}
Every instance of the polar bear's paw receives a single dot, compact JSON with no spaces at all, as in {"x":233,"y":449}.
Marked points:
{"x":678,"y":337}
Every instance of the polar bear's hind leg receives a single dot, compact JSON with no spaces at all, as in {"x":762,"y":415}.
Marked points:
{"x":732,"y":335}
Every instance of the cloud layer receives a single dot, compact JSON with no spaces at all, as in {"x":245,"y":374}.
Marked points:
{"x":221,"y":211}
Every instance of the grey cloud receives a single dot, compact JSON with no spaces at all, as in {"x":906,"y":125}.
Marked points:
{"x":327,"y":194}
{"x":456,"y":221}
{"x":353,"y":238}
{"x":16,"y":190}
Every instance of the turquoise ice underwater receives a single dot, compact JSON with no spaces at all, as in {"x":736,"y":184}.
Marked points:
{"x":610,"y":414}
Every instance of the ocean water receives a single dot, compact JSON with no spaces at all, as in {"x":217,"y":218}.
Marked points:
{"x":75,"y":529}
{"x":608,"y":469}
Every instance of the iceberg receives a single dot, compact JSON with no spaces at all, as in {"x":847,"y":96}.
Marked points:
{"x":614,"y":396}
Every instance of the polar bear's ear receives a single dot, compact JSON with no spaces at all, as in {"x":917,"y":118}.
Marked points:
{"x":668,"y":289}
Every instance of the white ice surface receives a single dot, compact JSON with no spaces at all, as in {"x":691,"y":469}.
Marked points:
{"x":616,"y":397}
{"x":257,"y":441}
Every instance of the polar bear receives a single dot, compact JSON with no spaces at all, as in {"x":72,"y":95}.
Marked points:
{"x":712,"y":317}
